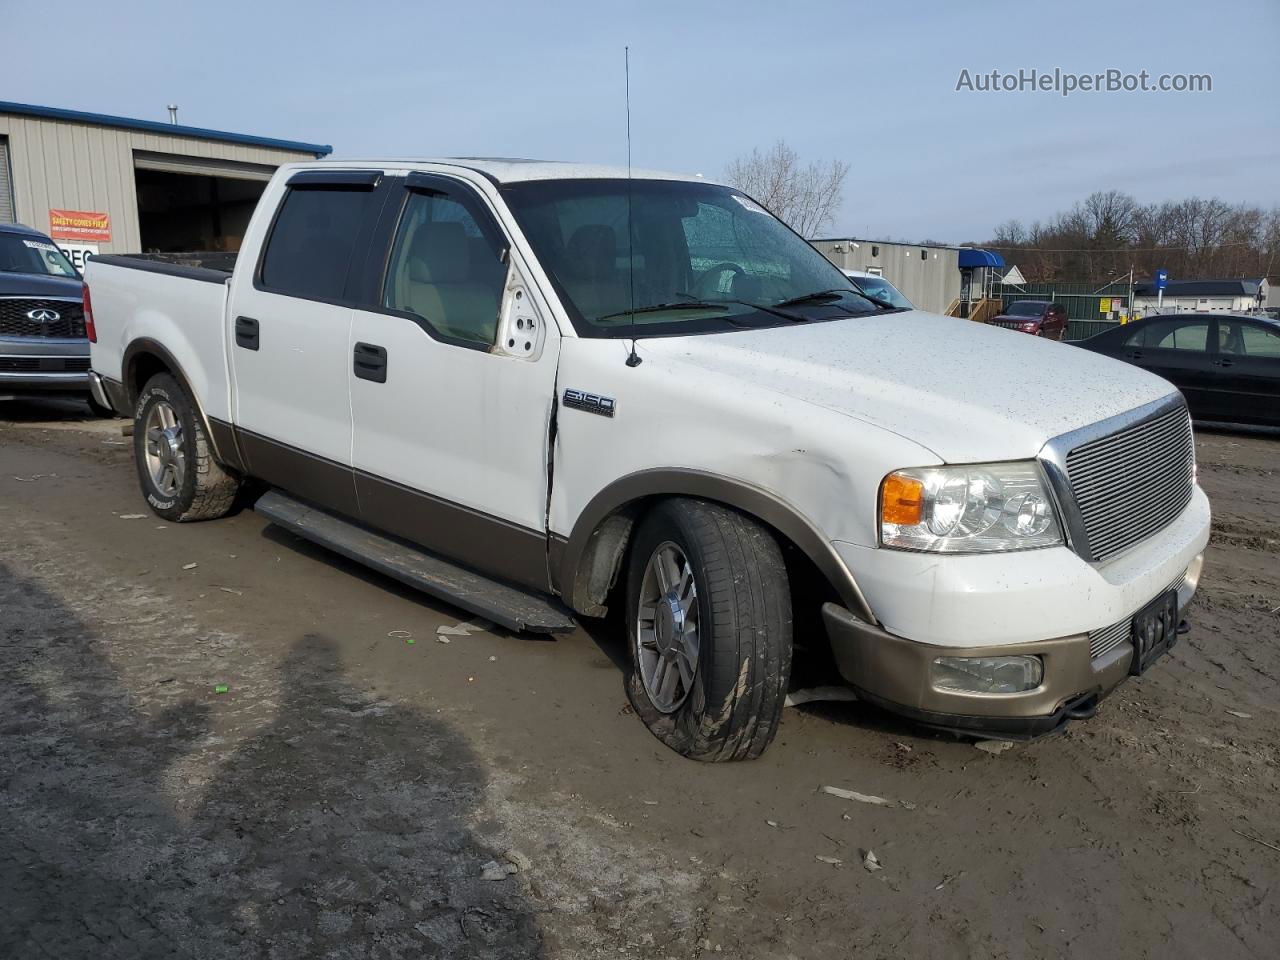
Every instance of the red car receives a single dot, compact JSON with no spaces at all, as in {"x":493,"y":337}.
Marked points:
{"x":1040,"y":318}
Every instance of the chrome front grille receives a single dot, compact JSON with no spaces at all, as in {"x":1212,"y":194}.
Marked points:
{"x":1129,"y":484}
{"x":1103,"y":641}
{"x":53,"y":318}
{"x":1010,"y":324}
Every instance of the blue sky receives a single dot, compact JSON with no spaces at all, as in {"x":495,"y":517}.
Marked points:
{"x":870,"y":83}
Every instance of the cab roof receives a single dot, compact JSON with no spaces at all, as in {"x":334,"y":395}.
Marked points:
{"x":502,"y":170}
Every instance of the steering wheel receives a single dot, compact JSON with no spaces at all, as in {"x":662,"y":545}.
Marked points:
{"x":714,"y":273}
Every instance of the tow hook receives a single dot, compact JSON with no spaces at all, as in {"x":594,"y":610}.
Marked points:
{"x":1082,"y":709}
{"x":1183,"y":628}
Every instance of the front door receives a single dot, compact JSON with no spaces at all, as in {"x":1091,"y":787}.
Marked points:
{"x":290,"y":337}
{"x":1176,"y":348}
{"x":450,"y":427}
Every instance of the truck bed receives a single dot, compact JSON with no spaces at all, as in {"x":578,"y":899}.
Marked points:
{"x":172,"y":302}
{"x":212,"y":266}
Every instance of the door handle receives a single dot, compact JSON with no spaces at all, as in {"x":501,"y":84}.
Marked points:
{"x":1225,"y":363}
{"x":369,"y":362}
{"x":1134,"y":355}
{"x":247,"y":333}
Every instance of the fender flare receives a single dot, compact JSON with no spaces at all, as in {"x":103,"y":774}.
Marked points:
{"x":225,"y":449}
{"x":575,"y":564}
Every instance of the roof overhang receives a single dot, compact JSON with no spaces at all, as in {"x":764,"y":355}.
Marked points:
{"x":168,"y":129}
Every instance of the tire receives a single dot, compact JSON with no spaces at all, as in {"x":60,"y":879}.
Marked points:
{"x":733,"y":704}
{"x":205,"y":491}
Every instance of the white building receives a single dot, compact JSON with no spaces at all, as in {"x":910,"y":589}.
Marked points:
{"x":1204,"y":296}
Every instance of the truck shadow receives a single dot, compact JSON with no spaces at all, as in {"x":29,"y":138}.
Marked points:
{"x":154,"y":818}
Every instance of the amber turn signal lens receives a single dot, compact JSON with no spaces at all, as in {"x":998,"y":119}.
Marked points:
{"x":901,"y":500}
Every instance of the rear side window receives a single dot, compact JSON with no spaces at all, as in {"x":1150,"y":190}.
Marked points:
{"x":309,"y":250}
{"x":1171,"y":335}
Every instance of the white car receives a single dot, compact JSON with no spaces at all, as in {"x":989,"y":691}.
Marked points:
{"x":874,"y":285}
{"x":542,"y":390}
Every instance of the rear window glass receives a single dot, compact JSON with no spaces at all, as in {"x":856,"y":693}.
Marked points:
{"x":309,"y":250}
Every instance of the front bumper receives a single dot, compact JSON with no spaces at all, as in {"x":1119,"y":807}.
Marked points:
{"x":1006,"y":605}
{"x":40,"y":365}
{"x":893,"y":673}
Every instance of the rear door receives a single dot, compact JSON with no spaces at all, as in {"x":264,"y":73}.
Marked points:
{"x":1247,"y":386}
{"x":291,"y":330}
{"x":1176,"y":348}
{"x":451,"y":428}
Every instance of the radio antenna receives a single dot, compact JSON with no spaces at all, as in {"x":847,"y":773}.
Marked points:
{"x":633,"y":358}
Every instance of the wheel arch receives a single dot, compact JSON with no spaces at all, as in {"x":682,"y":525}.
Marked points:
{"x":585,"y":566}
{"x":142,"y":360}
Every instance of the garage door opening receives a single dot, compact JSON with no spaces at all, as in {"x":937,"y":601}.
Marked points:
{"x":188,"y":203}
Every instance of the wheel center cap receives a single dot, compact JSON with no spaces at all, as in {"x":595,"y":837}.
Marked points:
{"x":670,"y":623}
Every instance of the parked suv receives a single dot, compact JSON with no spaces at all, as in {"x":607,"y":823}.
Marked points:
{"x":1040,"y":318}
{"x":43,"y":347}
{"x":541,"y":390}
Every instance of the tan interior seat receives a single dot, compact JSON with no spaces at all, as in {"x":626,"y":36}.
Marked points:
{"x":440,"y":284}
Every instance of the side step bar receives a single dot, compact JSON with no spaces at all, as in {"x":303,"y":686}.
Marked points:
{"x":505,"y":605}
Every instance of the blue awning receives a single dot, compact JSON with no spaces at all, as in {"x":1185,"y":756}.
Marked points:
{"x":972,"y":257}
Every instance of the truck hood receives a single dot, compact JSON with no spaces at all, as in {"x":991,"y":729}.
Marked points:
{"x":38,"y":285}
{"x":967,"y":392}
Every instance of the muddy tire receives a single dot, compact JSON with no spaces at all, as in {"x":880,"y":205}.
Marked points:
{"x":179,"y":477}
{"x":705,"y":578}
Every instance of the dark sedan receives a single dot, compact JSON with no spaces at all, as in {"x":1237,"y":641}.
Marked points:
{"x":1227,"y":365}
{"x":43,"y":347}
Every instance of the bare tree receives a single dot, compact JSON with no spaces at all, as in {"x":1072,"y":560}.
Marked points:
{"x":805,"y":197}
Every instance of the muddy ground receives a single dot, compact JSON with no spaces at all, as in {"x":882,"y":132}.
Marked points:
{"x":343,"y":795}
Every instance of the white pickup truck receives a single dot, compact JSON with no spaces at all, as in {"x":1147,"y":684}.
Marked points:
{"x":539,"y":389}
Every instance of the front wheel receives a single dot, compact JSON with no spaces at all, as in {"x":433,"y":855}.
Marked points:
{"x":709,"y":630}
{"x":176,"y":469}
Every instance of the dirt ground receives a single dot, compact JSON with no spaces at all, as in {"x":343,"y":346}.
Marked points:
{"x":342,"y":797}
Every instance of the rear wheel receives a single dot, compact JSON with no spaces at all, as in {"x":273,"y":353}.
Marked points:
{"x":709,"y":630}
{"x":176,"y":469}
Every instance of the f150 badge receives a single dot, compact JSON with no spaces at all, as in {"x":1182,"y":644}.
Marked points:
{"x":589,"y":402}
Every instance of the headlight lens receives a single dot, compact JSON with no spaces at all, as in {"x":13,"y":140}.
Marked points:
{"x":976,"y":508}
{"x":986,"y":674}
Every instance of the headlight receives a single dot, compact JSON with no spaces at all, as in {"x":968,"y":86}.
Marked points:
{"x":977,"y":508}
{"x":986,"y":674}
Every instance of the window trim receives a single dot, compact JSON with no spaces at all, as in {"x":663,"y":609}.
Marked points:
{"x":389,"y":230}
{"x":373,"y":180}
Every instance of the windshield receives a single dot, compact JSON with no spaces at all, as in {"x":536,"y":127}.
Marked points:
{"x":26,"y":254}
{"x":701,"y":258}
{"x":1024,"y":308}
{"x":882,"y":289}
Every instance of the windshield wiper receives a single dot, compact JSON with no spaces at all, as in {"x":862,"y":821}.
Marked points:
{"x":658,"y":307}
{"x":835,"y":294}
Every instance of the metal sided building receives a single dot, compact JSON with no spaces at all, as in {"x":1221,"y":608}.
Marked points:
{"x":103,"y":184}
{"x":929,"y":276}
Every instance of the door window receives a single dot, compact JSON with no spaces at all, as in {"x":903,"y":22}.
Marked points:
{"x":446,"y":269}
{"x":1171,"y":335}
{"x":1241,"y":338}
{"x":309,"y":250}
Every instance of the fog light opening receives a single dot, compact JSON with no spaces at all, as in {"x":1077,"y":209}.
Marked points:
{"x":986,"y":674}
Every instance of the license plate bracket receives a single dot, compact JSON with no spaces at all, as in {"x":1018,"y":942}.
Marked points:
{"x":1154,"y":631}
